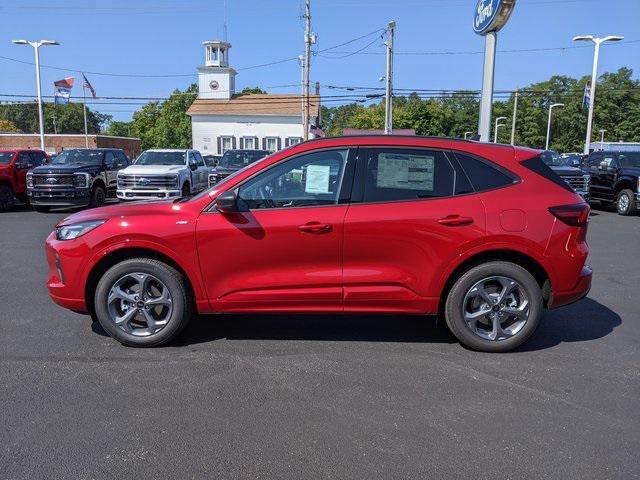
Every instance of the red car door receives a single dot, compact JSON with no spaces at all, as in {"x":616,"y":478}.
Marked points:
{"x":282,"y":252}
{"x":407,"y":224}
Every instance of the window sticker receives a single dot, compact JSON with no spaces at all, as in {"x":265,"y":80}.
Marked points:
{"x":412,"y":172}
{"x":317,"y":179}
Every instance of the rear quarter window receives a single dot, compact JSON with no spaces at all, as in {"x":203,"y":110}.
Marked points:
{"x":482,"y":175}
{"x":536,"y":165}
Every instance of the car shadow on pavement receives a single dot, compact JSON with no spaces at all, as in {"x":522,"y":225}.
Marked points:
{"x":581,"y":322}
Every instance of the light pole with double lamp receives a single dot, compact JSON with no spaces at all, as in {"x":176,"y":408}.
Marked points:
{"x":551,"y":107}
{"x":594,"y":76}
{"x":495,"y":129}
{"x":36,"y":46}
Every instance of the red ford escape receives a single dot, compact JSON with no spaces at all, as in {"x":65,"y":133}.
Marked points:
{"x":485,"y":235}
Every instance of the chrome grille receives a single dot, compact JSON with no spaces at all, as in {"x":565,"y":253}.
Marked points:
{"x":53,"y":180}
{"x":147,"y":182}
{"x":577,"y":182}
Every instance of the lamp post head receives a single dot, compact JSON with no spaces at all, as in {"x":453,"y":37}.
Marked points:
{"x":554,"y":105}
{"x":49,"y":42}
{"x":613,"y":38}
{"x":583,"y":38}
{"x":20,"y":42}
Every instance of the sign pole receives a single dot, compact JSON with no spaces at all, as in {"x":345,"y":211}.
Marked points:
{"x":486,"y":101}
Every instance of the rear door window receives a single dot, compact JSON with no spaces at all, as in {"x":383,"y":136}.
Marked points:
{"x":396,"y":174}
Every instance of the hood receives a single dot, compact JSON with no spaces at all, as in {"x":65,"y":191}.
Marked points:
{"x":71,"y":168}
{"x":224,"y":170}
{"x":634,"y":171}
{"x":152,"y":169}
{"x":123,"y":211}
{"x":567,"y":171}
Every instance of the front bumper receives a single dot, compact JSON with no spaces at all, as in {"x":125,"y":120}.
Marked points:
{"x":578,"y":292}
{"x":61,"y":198}
{"x":147,"y":194}
{"x":66,"y":261}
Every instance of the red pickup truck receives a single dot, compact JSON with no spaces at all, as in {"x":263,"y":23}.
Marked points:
{"x":14,"y":164}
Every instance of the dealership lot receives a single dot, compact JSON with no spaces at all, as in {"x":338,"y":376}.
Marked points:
{"x":319,"y":396}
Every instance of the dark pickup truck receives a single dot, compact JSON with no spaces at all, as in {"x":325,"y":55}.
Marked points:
{"x":615,"y":178}
{"x":14,"y":165}
{"x":77,"y":177}
{"x":234,"y":160}
{"x":565,"y":168}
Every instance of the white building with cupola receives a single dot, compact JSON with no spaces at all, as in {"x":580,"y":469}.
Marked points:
{"x":225,"y":120}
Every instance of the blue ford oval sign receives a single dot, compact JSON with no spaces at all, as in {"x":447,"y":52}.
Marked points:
{"x":491,"y":15}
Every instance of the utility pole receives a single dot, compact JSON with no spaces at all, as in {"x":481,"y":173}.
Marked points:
{"x":307,"y":61}
{"x":513,"y":122}
{"x":302,"y":97}
{"x":388,"y":99}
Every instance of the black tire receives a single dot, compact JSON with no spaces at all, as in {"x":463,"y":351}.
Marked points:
{"x":626,"y":202}
{"x":41,"y":208}
{"x":98,"y":196}
{"x":182,"y":305}
{"x":186,"y":190}
{"x":7,"y":200}
{"x":455,"y":304}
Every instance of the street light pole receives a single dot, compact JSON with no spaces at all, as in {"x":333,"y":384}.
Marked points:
{"x":594,"y":77}
{"x":36,"y":46}
{"x":495,"y":129}
{"x":551,"y":107}
{"x":513,"y":121}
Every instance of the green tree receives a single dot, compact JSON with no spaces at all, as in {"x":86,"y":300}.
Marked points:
{"x":9,"y":126}
{"x":68,"y":118}
{"x":249,"y":90}
{"x":119,"y":129}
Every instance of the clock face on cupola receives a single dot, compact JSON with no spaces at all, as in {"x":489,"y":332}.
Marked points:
{"x":214,"y":85}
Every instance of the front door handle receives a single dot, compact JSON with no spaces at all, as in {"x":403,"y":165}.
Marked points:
{"x":455,"y":221}
{"x":315,"y":227}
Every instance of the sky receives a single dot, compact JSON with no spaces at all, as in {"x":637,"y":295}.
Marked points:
{"x":148,"y":48}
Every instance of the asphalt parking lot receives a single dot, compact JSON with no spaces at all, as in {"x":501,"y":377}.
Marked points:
{"x":319,"y":396}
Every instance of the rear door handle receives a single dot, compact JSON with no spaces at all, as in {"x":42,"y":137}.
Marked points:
{"x":455,"y":221}
{"x":315,"y":227}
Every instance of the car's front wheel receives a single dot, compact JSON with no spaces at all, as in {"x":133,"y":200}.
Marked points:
{"x":494,"y":307}
{"x":626,"y":202}
{"x":6,"y":198}
{"x":98,"y":197}
{"x":142,"y":302}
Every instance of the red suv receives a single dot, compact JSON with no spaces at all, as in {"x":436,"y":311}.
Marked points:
{"x":485,"y":235}
{"x":14,"y":164}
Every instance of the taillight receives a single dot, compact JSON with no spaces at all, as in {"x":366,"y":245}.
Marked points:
{"x":572,"y":215}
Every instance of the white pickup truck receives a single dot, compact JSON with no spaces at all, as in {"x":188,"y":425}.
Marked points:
{"x":163,"y":174}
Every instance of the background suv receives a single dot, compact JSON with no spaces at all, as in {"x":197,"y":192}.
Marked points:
{"x":163,"y":174}
{"x":485,"y":235}
{"x":14,"y":165}
{"x":234,"y":160}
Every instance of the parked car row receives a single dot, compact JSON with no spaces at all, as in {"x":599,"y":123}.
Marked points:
{"x":607,"y":177}
{"x":82,"y":177}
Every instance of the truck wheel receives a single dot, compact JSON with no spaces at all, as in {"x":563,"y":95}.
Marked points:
{"x":186,"y":191}
{"x":494,"y":307}
{"x":6,"y":198}
{"x":143,"y":302}
{"x":626,"y":202}
{"x":97,"y":196}
{"x":41,"y":208}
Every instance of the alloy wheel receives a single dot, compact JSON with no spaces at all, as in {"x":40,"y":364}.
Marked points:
{"x":496,"y":308}
{"x":139,"y":304}
{"x":623,"y":203}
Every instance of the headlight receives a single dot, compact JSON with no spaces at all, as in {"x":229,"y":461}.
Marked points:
{"x":81,"y":180}
{"x":75,"y":230}
{"x":30,"y":180}
{"x":175,"y":180}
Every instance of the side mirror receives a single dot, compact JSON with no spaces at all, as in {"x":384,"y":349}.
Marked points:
{"x":22,"y":165}
{"x":227,"y":202}
{"x":192,"y":164}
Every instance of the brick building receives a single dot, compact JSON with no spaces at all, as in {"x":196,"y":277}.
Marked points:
{"x":57,"y":143}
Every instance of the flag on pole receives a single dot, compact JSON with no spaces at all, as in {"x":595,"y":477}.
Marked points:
{"x":586,"y":99}
{"x":317,"y":131}
{"x":62,"y":90}
{"x":86,"y":84}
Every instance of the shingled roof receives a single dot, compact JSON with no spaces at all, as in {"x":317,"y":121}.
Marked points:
{"x":255,"y":104}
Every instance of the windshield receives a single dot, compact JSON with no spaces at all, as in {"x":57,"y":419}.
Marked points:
{"x":161,"y":158}
{"x":629,"y":159}
{"x":553,"y":159}
{"x":82,"y":157}
{"x":239,"y":159}
{"x":5,"y":157}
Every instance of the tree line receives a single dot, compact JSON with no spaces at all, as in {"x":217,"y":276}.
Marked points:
{"x":165,"y":123}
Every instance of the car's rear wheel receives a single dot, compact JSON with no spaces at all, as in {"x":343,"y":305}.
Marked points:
{"x":626,"y":202}
{"x":98,"y":196}
{"x":142,"y":302}
{"x":494,"y":307}
{"x":6,"y":198}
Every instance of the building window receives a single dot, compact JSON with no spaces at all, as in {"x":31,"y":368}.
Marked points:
{"x":225,"y":143}
{"x":271,"y":143}
{"x":293,"y":140}
{"x":249,"y":143}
